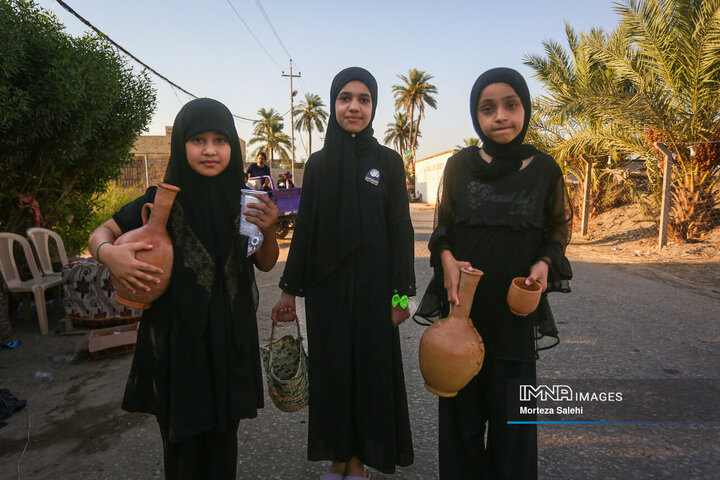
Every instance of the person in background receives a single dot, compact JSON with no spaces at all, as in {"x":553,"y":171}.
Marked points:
{"x":260,"y":169}
{"x":285,"y":181}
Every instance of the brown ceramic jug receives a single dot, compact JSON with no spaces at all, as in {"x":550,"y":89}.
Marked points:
{"x":451,"y":350}
{"x":152,"y":232}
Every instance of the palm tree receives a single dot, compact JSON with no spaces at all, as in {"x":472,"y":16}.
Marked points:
{"x":562,"y":116}
{"x":310,"y":114}
{"x":268,"y":133}
{"x":469,"y":142}
{"x":655,"y":78}
{"x":415,"y":92}
{"x":398,"y":133}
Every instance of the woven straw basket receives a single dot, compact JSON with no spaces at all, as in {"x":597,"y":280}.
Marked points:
{"x":286,"y":371}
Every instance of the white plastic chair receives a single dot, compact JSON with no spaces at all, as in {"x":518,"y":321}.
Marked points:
{"x":40,"y":238}
{"x":37,"y":285}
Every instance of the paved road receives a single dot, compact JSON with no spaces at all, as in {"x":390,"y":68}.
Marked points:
{"x":621,"y":321}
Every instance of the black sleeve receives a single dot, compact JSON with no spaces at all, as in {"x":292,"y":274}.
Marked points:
{"x":441,"y":238}
{"x":402,"y":241}
{"x":129,"y":217}
{"x":294,"y":275}
{"x":558,"y":232}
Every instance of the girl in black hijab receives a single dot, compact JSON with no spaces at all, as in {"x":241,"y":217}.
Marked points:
{"x":502,"y":209}
{"x":196,"y":365}
{"x":352,"y":251}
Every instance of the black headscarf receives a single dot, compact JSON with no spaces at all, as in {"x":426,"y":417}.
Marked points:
{"x":506,"y":157}
{"x":338,"y":210}
{"x":210,"y":205}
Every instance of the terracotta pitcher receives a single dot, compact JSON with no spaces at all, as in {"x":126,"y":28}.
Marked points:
{"x":451,"y":350}
{"x":152,"y":232}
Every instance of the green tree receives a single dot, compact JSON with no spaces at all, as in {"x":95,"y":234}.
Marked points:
{"x":268,"y":133}
{"x":309,"y":116}
{"x":70,"y":110}
{"x":415,"y":92}
{"x":398,"y":133}
{"x":468,"y":142}
{"x":655,"y":78}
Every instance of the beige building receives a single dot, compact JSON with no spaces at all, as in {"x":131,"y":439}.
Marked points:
{"x":428,"y":173}
{"x":151,"y":155}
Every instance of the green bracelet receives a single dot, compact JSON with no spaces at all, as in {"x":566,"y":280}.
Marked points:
{"x":97,"y":251}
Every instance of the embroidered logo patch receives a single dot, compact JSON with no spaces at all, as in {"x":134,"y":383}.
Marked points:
{"x":373,"y":176}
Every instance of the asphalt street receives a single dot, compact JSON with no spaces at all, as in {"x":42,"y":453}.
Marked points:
{"x":620,"y":322}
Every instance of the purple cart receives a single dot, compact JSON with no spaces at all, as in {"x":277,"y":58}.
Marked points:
{"x":287,"y":201}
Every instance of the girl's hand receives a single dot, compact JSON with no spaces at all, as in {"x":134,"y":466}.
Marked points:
{"x":284,"y":309}
{"x":538,"y":273}
{"x":131,"y":272}
{"x":451,"y":274}
{"x":399,"y":315}
{"x":263,"y":214}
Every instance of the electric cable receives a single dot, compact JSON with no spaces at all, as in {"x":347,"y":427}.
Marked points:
{"x":253,"y":35}
{"x":272,"y":27}
{"x":119,"y":47}
{"x":27,"y":442}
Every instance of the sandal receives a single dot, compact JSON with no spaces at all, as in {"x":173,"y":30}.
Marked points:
{"x":355,"y":477}
{"x":331,"y":476}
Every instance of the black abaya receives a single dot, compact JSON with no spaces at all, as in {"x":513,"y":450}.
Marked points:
{"x":352,"y":249}
{"x":358,"y":404}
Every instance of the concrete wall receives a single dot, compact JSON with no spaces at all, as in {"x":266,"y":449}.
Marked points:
{"x":428,"y":173}
{"x":156,"y":149}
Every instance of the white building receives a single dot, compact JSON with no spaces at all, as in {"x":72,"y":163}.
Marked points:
{"x":428,"y":172}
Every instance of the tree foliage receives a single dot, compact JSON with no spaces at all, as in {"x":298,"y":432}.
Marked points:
{"x":412,"y":95}
{"x":311,"y":116}
{"x":656,"y":77}
{"x":268,"y":133}
{"x":70,"y":110}
{"x":398,"y":133}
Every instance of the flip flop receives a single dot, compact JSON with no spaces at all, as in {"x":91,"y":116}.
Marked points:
{"x":331,"y":476}
{"x":355,"y":477}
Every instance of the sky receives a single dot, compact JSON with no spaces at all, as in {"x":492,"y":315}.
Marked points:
{"x":204,"y":47}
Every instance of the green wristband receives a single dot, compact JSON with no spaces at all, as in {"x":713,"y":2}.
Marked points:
{"x":97,"y":251}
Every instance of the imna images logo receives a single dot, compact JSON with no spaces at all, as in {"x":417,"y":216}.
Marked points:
{"x":554,"y":393}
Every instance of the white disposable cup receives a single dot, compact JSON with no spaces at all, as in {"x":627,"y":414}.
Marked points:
{"x":248,"y":196}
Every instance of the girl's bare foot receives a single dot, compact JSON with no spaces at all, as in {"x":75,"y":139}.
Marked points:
{"x":338,"y":468}
{"x":355,"y":468}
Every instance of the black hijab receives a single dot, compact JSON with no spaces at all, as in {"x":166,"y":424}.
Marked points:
{"x":338,"y":210}
{"x":507,"y":157}
{"x":210,"y":204}
{"x":203,"y":221}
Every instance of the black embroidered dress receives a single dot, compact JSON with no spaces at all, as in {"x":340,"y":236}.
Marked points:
{"x":501,"y":226}
{"x":197,"y":364}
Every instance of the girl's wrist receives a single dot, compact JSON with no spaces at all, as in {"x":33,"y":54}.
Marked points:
{"x":446,"y":256}
{"x":104,"y":247}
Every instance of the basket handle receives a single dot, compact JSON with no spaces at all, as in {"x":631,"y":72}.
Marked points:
{"x":272,"y":334}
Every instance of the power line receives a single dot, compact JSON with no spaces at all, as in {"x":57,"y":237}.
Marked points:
{"x":119,"y":47}
{"x":267,"y":19}
{"x":253,"y":35}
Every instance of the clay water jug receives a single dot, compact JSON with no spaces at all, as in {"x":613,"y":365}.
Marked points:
{"x":451,"y":350}
{"x":152,"y":232}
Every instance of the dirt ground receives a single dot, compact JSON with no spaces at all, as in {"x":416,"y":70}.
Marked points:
{"x":624,"y":235}
{"x":76,"y":421}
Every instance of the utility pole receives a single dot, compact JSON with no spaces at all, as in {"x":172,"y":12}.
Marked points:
{"x":292,"y":119}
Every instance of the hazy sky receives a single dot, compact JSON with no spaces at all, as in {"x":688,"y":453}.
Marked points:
{"x":204,"y":47}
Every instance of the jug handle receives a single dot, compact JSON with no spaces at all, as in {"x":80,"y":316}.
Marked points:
{"x":146,"y":212}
